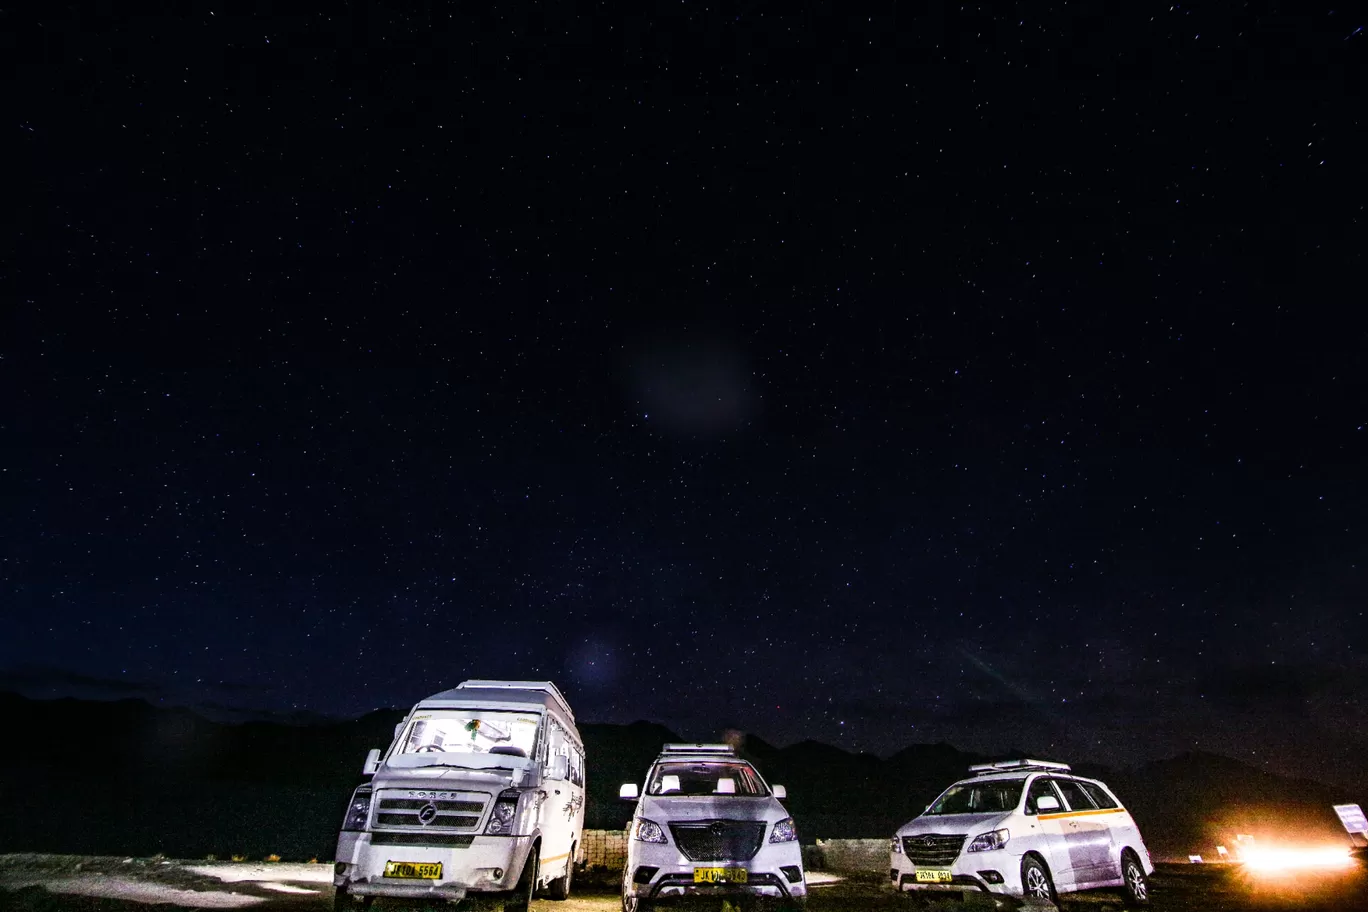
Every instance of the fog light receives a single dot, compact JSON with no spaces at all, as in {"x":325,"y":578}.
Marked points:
{"x":644,"y":874}
{"x":792,"y":872}
{"x":340,"y":868}
{"x":992,"y":877}
{"x":497,"y":874}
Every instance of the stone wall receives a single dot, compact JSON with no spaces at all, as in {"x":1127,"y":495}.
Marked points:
{"x":848,"y":855}
{"x":606,"y":850}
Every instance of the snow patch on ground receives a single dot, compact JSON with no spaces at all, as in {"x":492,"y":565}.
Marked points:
{"x":139,"y":892}
{"x":273,"y":872}
{"x":820,"y":879}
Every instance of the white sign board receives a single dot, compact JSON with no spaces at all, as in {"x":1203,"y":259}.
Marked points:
{"x":1351,"y":815}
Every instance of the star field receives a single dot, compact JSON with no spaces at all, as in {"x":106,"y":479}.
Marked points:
{"x":981,"y":372}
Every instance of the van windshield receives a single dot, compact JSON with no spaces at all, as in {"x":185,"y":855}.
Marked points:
{"x":471,"y":731}
{"x":979,"y":797}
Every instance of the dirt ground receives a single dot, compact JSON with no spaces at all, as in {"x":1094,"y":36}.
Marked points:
{"x":48,"y":883}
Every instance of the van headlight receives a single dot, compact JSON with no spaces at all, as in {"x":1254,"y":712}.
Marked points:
{"x":358,"y":812}
{"x":896,"y":846}
{"x":504,"y":813}
{"x":648,"y":831}
{"x":986,"y":842}
{"x":784,"y":831}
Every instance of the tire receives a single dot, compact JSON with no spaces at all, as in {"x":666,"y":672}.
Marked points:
{"x":632,"y":904}
{"x":1036,"y":882}
{"x":521,"y":896}
{"x":559,"y":889}
{"x":1137,"y":884}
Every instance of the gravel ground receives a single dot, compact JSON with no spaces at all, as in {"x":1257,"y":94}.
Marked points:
{"x":65,"y":883}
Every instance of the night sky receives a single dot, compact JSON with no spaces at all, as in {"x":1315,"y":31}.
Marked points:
{"x":991,"y":373}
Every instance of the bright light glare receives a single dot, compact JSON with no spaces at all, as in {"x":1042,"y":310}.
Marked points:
{"x":1288,"y":859}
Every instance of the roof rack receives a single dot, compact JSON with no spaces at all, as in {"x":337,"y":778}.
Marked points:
{"x":543,"y":686}
{"x":697,"y":749}
{"x":1009,"y":766}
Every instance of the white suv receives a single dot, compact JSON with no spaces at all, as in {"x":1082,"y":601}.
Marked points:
{"x":707,"y":824}
{"x":1022,"y":828}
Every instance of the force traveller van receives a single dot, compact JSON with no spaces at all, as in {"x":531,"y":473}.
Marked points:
{"x":480,"y":795}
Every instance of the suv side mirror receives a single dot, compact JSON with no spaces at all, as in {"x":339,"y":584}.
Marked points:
{"x":1046,"y":803}
{"x":372,"y":762}
{"x":779,"y":791}
{"x":628,"y":791}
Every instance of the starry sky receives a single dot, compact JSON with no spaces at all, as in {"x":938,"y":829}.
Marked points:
{"x":990,"y":373}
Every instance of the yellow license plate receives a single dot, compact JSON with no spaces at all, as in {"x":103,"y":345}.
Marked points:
{"x":933,"y":877}
{"x":720,"y":875}
{"x":414,"y":870}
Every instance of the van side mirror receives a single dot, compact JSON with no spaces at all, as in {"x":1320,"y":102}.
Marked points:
{"x":628,"y":791}
{"x":1047,"y":803}
{"x":372,"y":762}
{"x":779,"y":791}
{"x":559,"y":768}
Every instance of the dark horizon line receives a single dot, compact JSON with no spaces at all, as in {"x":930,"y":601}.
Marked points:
{"x":275,"y":717}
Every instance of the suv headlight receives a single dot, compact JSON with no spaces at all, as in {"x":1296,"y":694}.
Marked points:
{"x":784,"y":831}
{"x":648,"y":831}
{"x":896,"y":846}
{"x":358,"y":812}
{"x":986,"y":842}
{"x":502,"y":817}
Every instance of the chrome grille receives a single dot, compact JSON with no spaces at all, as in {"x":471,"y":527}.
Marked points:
{"x":933,"y":849}
{"x":719,"y":840}
{"x":408,"y":809}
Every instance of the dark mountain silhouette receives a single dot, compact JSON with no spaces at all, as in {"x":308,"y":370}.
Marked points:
{"x":127,"y":778}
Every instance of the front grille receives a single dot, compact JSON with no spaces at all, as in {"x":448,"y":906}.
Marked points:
{"x":441,"y":820}
{"x":416,"y":804}
{"x":454,"y":810}
{"x":719,"y":840}
{"x":933,"y":849}
{"x":449,"y":840}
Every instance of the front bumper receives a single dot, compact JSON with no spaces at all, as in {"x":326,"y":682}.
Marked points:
{"x":488,"y":864}
{"x":993,"y":873}
{"x":662,"y":873}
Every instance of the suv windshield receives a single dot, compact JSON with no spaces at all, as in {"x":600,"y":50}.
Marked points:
{"x":471,"y":731}
{"x":706,"y":778}
{"x":979,"y":797}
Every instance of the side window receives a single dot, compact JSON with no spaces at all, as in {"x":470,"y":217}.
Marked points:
{"x":1099,"y":795}
{"x":556,"y":743}
{"x":1039,"y":789}
{"x":1074,"y":794}
{"x":576,"y":766}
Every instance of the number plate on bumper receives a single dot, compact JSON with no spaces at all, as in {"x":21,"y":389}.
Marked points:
{"x":720,"y":875}
{"x":414,"y":870}
{"x":933,"y":876}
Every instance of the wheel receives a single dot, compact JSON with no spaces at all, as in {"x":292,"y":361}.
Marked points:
{"x":632,"y":904}
{"x":521,"y":897}
{"x":559,"y":889}
{"x":1137,"y":885}
{"x":1035,"y":879}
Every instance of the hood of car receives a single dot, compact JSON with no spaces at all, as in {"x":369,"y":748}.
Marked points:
{"x":969,"y":824}
{"x":664,"y":809}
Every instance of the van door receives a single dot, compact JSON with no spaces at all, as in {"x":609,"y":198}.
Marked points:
{"x":562,"y":812}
